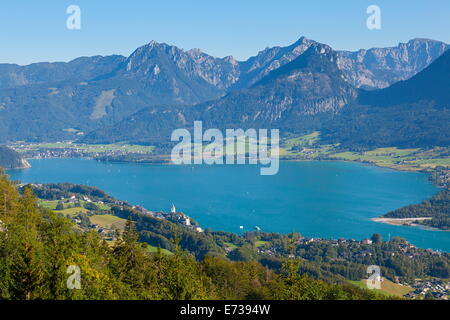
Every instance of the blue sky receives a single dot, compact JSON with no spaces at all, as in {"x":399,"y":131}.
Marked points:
{"x":33,"y":31}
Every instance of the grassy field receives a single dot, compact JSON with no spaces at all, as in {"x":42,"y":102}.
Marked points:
{"x":66,"y":211}
{"x":391,"y":152}
{"x":102,"y":206}
{"x":153,"y":249}
{"x":230,"y":245}
{"x":304,"y":141}
{"x":48,"y":204}
{"x":51,"y":204}
{"x":432,"y":162}
{"x":388,"y":288}
{"x":72,"y":211}
{"x":307,"y":148}
{"x":387,"y":156}
{"x":108,"y":221}
{"x":150,"y":248}
{"x":399,"y":158}
{"x":261,"y":243}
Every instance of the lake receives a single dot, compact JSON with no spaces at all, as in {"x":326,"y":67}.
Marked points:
{"x":316,"y":199}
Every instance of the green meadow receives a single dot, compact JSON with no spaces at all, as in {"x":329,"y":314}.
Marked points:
{"x":153,"y":249}
{"x":108,"y":221}
{"x":307,"y":147}
{"x":388,"y":288}
{"x":70,"y":209}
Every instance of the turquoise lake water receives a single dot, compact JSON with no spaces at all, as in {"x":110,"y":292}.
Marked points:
{"x":316,"y":199}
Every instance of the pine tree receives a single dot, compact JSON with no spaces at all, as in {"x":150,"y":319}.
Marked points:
{"x":182,"y":277}
{"x":60,"y":242}
{"x":26,"y":263}
{"x":131,"y":264}
{"x":59,"y":206}
{"x":290,"y":267}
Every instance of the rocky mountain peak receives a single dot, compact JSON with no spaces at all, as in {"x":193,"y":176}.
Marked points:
{"x":381,"y":67}
{"x":318,"y":58}
{"x":153,"y":43}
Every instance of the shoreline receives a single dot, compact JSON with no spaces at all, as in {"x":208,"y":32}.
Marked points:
{"x":403,"y":222}
{"x":408,"y":169}
{"x":374,"y":227}
{"x":400,"y":221}
{"x":167,"y":162}
{"x":407,"y":222}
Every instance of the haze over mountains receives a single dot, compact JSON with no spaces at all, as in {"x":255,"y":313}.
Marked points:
{"x":114,"y":98}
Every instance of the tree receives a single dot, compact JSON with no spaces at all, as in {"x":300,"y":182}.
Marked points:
{"x":60,"y":244}
{"x":91,"y":206}
{"x":59,"y":206}
{"x":8,"y":198}
{"x":26,"y":263}
{"x":376,"y":238}
{"x":244,"y":253}
{"x":183,"y":279}
{"x":131,"y":266}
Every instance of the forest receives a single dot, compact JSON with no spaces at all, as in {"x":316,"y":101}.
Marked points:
{"x":437,"y":208}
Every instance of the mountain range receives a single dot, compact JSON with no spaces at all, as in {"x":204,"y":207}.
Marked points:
{"x":159,"y":87}
{"x":291,"y":96}
{"x":409,"y":113}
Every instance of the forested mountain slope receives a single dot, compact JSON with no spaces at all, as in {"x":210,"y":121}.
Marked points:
{"x":10,"y":159}
{"x":410,"y":113}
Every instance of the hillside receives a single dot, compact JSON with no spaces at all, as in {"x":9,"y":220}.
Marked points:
{"x":410,"y":113}
{"x":437,"y":208}
{"x":10,"y":159}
